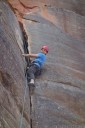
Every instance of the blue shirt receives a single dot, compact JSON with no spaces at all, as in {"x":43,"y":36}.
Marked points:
{"x":39,"y":61}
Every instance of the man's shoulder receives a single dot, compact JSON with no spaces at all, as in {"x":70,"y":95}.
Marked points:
{"x":41,"y":55}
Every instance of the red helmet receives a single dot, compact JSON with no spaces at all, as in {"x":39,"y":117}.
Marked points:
{"x":45,"y":47}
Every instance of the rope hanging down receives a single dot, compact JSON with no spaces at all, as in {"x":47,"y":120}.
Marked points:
{"x":21,"y":120}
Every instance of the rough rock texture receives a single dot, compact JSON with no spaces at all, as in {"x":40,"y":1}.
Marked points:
{"x":68,"y":15}
{"x":12,"y":74}
{"x":58,"y":100}
{"x":59,"y":96}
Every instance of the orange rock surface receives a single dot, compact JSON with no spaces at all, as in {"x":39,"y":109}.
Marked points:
{"x":66,"y":15}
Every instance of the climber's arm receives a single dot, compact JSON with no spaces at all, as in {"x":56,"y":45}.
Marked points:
{"x":30,"y":55}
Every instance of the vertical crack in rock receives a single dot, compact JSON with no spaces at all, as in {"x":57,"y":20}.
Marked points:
{"x":31,"y":92}
{"x":25,"y":44}
{"x":30,"y":111}
{"x":0,"y":12}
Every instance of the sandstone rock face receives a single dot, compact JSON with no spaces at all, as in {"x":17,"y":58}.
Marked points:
{"x":68,"y":15}
{"x":12,"y":78}
{"x":58,"y":100}
{"x":59,"y":96}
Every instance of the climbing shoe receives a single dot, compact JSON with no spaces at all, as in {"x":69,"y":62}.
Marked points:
{"x":31,"y":86}
{"x":31,"y":82}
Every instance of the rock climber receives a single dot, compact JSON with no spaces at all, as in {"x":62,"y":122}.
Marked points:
{"x":36,"y":64}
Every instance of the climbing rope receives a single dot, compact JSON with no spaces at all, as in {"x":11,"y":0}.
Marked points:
{"x":21,"y":120}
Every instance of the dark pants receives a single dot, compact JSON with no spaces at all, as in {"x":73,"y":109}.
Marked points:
{"x":32,"y":71}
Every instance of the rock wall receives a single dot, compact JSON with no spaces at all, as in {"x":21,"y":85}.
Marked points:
{"x":12,"y":72}
{"x":67,"y":15}
{"x":59,"y":97}
{"x":58,"y":100}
